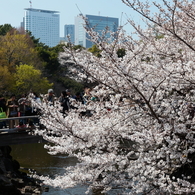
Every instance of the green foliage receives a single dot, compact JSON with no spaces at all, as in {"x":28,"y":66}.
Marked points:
{"x":159,"y":36}
{"x":23,"y":59}
{"x":5,"y":28}
{"x":58,"y":48}
{"x":71,"y":84}
{"x":30,"y":79}
{"x":95,"y":51}
{"x":36,"y":42}
{"x":6,"y":79}
{"x":49,"y":56}
{"x":121,"y":52}
{"x":146,"y":59}
{"x":50,"y":59}
{"x":75,"y":47}
{"x":78,"y":47}
{"x":17,"y":48}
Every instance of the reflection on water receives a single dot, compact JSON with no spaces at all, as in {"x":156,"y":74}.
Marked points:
{"x":34,"y":156}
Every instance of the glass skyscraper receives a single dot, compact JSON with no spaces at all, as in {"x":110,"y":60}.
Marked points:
{"x":99,"y":23}
{"x":69,"y":31}
{"x":43,"y":24}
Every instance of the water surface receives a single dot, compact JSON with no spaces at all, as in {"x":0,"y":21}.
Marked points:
{"x":34,"y":156}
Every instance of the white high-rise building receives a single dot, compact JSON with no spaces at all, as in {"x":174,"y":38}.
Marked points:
{"x":44,"y":25}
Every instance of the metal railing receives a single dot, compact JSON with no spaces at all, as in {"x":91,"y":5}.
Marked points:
{"x":18,"y":118}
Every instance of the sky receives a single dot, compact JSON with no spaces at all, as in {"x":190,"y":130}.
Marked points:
{"x":12,"y":11}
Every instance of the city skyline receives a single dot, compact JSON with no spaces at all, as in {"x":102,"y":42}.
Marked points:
{"x":68,"y":10}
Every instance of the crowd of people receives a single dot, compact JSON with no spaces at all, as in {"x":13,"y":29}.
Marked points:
{"x":20,"y":107}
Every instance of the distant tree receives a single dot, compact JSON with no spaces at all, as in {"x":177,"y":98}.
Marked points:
{"x":78,"y":47}
{"x":4,"y":29}
{"x":16,"y":49}
{"x":58,"y":48}
{"x":95,"y":51}
{"x":36,"y":42}
{"x":7,"y":81}
{"x":71,"y":84}
{"x":28,"y":79}
{"x":49,"y":59}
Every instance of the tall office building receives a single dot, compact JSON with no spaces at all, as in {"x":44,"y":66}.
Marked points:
{"x":43,"y":24}
{"x":99,"y":23}
{"x":69,"y":31}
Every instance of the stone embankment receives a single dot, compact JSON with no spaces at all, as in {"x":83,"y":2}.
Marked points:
{"x":13,"y":181}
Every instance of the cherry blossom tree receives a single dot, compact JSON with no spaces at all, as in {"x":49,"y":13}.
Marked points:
{"x":139,"y":137}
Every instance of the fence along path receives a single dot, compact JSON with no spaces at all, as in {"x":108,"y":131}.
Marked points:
{"x":19,"y":135}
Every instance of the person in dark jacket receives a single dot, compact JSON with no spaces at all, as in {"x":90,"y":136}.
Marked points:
{"x":64,"y":101}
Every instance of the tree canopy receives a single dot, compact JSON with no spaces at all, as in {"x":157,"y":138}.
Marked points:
{"x":16,"y":49}
{"x":7,"y":81}
{"x":139,"y":137}
{"x":28,"y":79}
{"x":4,"y":29}
{"x":94,"y":50}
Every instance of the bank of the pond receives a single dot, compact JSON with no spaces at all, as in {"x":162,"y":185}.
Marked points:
{"x":12,"y":180}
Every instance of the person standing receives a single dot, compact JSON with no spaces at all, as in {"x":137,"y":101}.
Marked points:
{"x":64,"y":101}
{"x":36,"y":111}
{"x":49,"y":98}
{"x":12,"y":110}
{"x":86,"y":95}
{"x":79,"y":98}
{"x":22,"y":103}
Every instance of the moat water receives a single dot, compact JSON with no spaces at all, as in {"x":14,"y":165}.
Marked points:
{"x":34,"y":156}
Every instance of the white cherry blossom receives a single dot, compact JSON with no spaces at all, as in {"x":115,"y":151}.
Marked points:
{"x":142,"y":143}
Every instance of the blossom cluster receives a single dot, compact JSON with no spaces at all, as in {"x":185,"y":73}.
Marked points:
{"x":144,"y":140}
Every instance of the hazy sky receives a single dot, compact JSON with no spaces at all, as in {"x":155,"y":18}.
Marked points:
{"x":12,"y":11}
